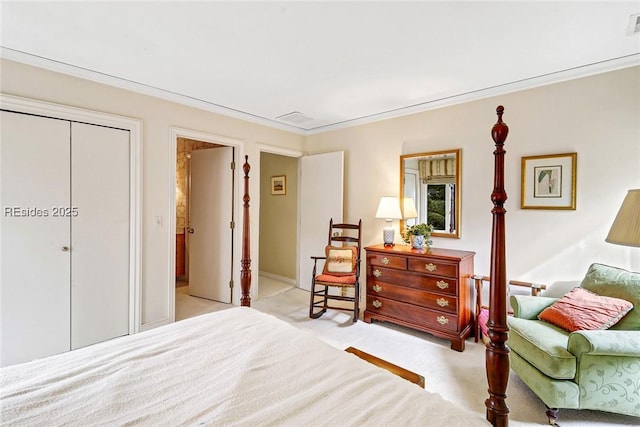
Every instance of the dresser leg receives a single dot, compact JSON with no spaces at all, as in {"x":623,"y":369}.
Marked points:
{"x":457,"y":345}
{"x":367,"y":318}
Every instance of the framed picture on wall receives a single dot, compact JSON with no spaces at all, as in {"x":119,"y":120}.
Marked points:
{"x":549,"y":182}
{"x":279,"y":185}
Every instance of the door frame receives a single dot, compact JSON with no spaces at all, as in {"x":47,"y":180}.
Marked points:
{"x":134,"y":126}
{"x":238,"y":145}
{"x":255,"y":189}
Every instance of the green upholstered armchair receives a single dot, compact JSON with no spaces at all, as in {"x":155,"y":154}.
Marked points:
{"x":585,"y":369}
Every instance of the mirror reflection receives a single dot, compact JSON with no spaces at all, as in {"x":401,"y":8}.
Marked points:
{"x":430,"y":186}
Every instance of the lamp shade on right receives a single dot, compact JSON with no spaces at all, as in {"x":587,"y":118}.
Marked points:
{"x":626,"y":227}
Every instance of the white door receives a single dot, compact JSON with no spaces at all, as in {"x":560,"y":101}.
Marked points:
{"x":210,"y":215}
{"x":35,"y":278}
{"x":99,"y":234}
{"x":321,"y":193}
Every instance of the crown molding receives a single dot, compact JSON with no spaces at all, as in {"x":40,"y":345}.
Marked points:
{"x":502,"y":89}
{"x":95,"y":76}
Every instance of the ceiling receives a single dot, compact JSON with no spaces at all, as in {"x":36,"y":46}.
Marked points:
{"x":335,"y":64}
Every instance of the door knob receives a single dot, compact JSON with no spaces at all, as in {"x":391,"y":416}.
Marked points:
{"x":190,"y":230}
{"x":65,"y":249}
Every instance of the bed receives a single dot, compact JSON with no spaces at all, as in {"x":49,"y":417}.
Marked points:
{"x":233,"y":367}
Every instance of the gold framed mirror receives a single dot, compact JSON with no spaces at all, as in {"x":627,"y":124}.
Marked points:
{"x":432,"y":182}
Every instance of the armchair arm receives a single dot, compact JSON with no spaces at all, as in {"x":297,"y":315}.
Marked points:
{"x":528,"y":307}
{"x":605,"y":343}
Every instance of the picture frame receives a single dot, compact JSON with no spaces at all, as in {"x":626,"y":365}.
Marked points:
{"x":279,"y":185}
{"x":548,"y":181}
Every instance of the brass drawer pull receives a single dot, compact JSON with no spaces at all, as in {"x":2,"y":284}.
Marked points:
{"x":377,"y":273}
{"x":386,"y":261}
{"x":442,"y":320}
{"x":430,"y":267}
{"x":376,"y":303}
{"x":377,"y":288}
{"x":442,"y":284}
{"x":442,"y":302}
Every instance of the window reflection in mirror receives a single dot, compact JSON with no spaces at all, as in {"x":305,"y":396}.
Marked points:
{"x":431,"y":181}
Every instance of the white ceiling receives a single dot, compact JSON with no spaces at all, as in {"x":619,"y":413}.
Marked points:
{"x":337,"y":63}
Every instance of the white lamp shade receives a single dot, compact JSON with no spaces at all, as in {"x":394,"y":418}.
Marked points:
{"x":626,"y":227}
{"x":409,"y":208}
{"x":389,"y":208}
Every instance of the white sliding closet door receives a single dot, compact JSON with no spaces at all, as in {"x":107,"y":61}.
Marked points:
{"x":65,"y":235}
{"x":99,"y":234}
{"x":35,"y":278}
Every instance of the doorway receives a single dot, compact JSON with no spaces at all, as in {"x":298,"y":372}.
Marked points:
{"x":218,"y":196}
{"x":278,"y":224}
{"x":204,"y":204}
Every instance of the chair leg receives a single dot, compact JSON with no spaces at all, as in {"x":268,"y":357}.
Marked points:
{"x":313,"y":315}
{"x":313,"y":287}
{"x":313,"y":303}
{"x":356,"y":303}
{"x":552,"y":414}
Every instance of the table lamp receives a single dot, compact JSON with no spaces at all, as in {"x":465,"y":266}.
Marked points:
{"x":626,"y":227}
{"x":388,"y":209}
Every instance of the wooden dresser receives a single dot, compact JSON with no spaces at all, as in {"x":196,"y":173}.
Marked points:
{"x":426,"y":290}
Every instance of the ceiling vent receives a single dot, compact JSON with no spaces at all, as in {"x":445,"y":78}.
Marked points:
{"x":295,"y":118}
{"x":634,"y":24}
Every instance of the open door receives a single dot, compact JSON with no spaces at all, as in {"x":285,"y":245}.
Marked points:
{"x":210,"y":234}
{"x":321,"y":194}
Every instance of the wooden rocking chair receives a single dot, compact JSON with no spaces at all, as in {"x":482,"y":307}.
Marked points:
{"x":341,"y":270}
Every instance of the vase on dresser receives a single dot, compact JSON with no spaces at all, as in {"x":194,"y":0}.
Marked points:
{"x":430,"y":291}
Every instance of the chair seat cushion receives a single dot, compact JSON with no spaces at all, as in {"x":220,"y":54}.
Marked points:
{"x":336,"y":280}
{"x":543,"y":346}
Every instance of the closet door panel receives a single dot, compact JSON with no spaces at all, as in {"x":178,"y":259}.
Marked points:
{"x":34,"y":295}
{"x":99,"y":234}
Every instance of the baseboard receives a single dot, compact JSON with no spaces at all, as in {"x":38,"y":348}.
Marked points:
{"x":283,"y":279}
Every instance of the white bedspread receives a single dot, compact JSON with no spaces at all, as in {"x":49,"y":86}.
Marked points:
{"x":233,"y":367}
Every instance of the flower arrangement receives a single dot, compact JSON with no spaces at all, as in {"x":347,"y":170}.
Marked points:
{"x":418,"y":230}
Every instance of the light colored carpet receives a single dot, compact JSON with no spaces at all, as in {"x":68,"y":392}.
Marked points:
{"x":458,"y":377}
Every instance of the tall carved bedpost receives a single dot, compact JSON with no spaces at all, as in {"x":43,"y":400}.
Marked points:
{"x":245,"y":273}
{"x":497,"y":353}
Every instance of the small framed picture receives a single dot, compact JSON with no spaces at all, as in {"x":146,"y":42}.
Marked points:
{"x":549,"y":182}
{"x":279,"y":184}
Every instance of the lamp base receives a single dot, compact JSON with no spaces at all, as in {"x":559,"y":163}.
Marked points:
{"x":388,"y":236}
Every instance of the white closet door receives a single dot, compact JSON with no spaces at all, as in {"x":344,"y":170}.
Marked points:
{"x":99,"y":234}
{"x":34,"y":296}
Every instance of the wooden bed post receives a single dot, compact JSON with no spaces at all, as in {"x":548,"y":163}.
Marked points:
{"x":497,"y":353}
{"x":245,"y":274}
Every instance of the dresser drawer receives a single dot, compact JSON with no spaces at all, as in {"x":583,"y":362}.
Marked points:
{"x":390,"y":261}
{"x":388,"y":275}
{"x":443,"y":285}
{"x":419,"y":316}
{"x":412,"y":296}
{"x":433,"y":266}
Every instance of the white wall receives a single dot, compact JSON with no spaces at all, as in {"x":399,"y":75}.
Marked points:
{"x":598,"y":117}
{"x":158,"y":117}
